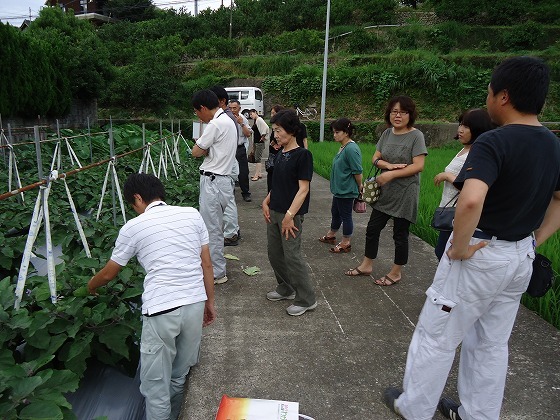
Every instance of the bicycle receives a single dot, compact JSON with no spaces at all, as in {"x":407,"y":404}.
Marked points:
{"x":309,"y":113}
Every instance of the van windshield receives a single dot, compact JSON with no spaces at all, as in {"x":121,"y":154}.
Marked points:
{"x":258,"y":95}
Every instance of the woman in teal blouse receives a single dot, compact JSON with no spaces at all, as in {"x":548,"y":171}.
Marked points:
{"x":346,"y":185}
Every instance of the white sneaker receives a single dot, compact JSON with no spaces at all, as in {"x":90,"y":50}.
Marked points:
{"x":221,"y":280}
{"x":295,"y":310}
{"x":275,"y":296}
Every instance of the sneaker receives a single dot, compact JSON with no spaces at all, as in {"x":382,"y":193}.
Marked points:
{"x":247,"y":198}
{"x":233,"y":241}
{"x":221,"y":280}
{"x":449,"y":408}
{"x":390,"y":396}
{"x":296,"y":310}
{"x":275,"y":296}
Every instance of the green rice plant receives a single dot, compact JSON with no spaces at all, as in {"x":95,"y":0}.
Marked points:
{"x":548,"y":306}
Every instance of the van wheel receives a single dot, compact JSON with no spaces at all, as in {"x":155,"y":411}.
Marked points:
{"x":246,"y":113}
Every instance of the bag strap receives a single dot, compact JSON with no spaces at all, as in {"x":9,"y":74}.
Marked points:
{"x":371,"y":169}
{"x":455,"y":197}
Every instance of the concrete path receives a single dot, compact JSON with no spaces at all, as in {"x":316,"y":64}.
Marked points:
{"x":337,"y":360}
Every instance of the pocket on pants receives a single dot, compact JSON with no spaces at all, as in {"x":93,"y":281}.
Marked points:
{"x":436,"y":311}
{"x":151,"y":361}
{"x":481,"y":278}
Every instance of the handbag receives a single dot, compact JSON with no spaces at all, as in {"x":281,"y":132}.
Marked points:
{"x":372,"y":190}
{"x":443,"y":216}
{"x":251,"y":157}
{"x":542,"y":278}
{"x":359,"y":205}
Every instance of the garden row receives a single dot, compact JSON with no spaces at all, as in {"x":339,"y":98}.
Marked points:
{"x":45,"y":347}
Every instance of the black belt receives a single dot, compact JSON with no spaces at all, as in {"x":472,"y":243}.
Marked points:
{"x":162,"y":312}
{"x":479,"y":234}
{"x":212,"y":175}
{"x":240,"y":145}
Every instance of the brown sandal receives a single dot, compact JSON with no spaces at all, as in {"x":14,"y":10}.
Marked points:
{"x":339,"y":249}
{"x":328,"y":239}
{"x":387,"y":281}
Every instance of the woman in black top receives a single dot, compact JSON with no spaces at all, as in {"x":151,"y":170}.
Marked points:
{"x":283,"y":210}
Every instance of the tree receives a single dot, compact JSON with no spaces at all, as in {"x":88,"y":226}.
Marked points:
{"x":131,"y":10}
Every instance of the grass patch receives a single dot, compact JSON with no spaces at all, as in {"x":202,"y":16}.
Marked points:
{"x":548,"y":307}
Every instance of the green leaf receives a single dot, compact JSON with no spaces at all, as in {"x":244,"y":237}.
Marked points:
{"x":40,"y":320}
{"x":40,"y":340}
{"x":20,"y":319}
{"x":62,"y":381}
{"x":6,"y":359}
{"x":81,"y":344}
{"x":252,"y":271}
{"x":115,"y":339}
{"x":25,"y":386}
{"x":81,"y":292}
{"x":131,"y":292}
{"x":231,"y":257}
{"x":41,"y":410}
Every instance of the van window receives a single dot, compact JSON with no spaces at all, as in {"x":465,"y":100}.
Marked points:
{"x":258,"y":95}
{"x":233,"y":95}
{"x":244,"y":94}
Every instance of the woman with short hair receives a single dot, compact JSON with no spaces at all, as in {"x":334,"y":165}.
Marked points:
{"x":400,"y":155}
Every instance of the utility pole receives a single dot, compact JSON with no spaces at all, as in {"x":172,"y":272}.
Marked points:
{"x":325,"y":62}
{"x":230,"y":18}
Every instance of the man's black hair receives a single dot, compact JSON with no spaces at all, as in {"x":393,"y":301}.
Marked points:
{"x":148,"y":186}
{"x":526,"y":80}
{"x":205,"y":98}
{"x":288,"y":120}
{"x":220,"y":92}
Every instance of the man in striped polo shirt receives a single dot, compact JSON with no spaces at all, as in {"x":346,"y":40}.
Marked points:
{"x":171,"y":244}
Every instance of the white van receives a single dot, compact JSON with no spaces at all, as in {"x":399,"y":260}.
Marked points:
{"x":248,"y":97}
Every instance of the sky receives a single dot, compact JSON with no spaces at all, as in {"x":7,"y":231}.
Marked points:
{"x":15,"y":11}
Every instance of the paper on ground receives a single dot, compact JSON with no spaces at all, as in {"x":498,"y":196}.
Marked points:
{"x":254,"y":409}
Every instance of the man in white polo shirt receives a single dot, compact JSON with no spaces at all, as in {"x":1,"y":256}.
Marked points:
{"x":171,"y":244}
{"x":217,"y":144}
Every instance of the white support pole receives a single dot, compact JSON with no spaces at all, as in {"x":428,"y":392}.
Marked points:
{"x":34,"y":226}
{"x":325,"y":66}
{"x":77,"y":219}
{"x":51,"y":275}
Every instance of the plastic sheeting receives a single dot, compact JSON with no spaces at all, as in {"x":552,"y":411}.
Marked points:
{"x":106,"y":391}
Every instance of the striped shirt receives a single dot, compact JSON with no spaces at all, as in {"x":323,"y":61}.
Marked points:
{"x":167,"y":242}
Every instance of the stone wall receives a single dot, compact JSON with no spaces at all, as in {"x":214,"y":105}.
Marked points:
{"x":77,"y":117}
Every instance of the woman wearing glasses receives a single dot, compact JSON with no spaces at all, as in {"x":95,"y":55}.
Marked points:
{"x":400,"y":155}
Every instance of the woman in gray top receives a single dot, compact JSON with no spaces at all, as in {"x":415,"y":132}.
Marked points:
{"x":400,"y":155}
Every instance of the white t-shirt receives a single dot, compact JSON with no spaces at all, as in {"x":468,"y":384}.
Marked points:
{"x":220,"y":139}
{"x":167,"y":242}
{"x":449,"y":191}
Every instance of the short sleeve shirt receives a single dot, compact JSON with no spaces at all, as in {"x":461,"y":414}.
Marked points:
{"x":167,"y":242}
{"x":521,"y":166}
{"x":220,"y":140}
{"x":346,"y":164}
{"x":399,"y":198}
{"x":289,"y":168}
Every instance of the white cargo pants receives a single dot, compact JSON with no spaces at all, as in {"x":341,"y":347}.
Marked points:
{"x":475,"y":302}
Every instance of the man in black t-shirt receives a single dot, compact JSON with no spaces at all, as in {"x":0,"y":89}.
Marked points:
{"x":510,"y":187}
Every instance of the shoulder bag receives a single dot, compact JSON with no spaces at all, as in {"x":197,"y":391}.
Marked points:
{"x":372,"y":189}
{"x":542,"y":278}
{"x":443,"y":216}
